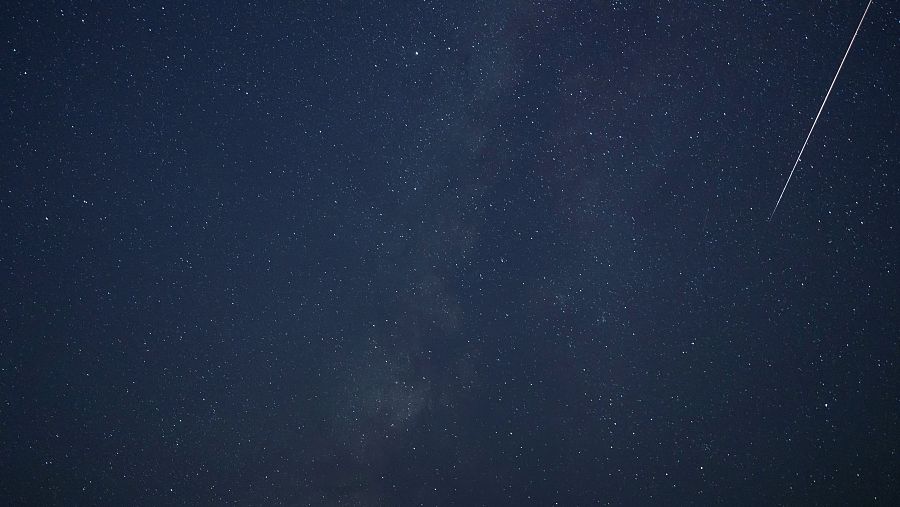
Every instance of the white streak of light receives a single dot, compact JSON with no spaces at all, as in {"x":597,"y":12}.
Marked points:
{"x":820,"y":110}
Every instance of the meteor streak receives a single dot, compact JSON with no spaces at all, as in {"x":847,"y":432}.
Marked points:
{"x":820,"y":110}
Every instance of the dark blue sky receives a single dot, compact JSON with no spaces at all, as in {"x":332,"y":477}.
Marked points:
{"x":434,"y":253}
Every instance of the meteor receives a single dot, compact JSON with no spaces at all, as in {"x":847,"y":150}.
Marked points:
{"x":820,"y":110}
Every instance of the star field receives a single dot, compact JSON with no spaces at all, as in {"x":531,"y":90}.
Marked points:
{"x":438,"y":253}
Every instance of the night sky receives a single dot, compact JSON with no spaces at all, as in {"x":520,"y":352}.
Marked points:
{"x":442,"y":253}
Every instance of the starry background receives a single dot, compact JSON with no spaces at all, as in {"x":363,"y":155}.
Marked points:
{"x":396,"y":253}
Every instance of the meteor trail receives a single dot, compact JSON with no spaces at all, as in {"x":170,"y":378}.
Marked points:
{"x":820,"y":110}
